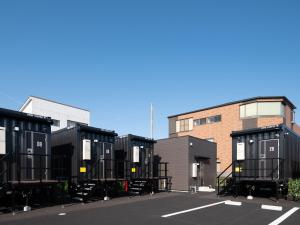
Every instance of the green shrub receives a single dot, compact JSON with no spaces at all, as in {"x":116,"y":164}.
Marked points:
{"x":294,"y":189}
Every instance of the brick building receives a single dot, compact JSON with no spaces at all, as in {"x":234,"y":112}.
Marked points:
{"x":216,"y":123}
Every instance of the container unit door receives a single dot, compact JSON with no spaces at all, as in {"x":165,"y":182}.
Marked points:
{"x":272,"y":154}
{"x":33,"y":161}
{"x":262,"y":164}
{"x":268,"y":158}
{"x":98,"y":163}
{"x":108,"y":160}
{"x":40,"y":158}
{"x":26,"y":158}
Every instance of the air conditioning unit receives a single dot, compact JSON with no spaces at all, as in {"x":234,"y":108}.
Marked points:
{"x":2,"y":141}
{"x":136,"y":154}
{"x":86,"y":149}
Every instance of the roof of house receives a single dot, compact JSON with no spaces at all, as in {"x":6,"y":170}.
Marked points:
{"x":285,"y":99}
{"x":31,"y":97}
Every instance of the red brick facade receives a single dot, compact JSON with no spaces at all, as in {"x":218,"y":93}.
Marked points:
{"x":231,"y":121}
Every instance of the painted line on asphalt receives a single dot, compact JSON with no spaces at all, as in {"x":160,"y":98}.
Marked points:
{"x":272,"y":207}
{"x":284,"y":216}
{"x":235,"y":203}
{"x":193,"y":209}
{"x":62,"y":214}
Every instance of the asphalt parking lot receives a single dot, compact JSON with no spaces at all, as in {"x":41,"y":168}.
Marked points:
{"x":164,"y":208}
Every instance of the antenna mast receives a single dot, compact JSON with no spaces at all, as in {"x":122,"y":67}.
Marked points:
{"x":151,"y":120}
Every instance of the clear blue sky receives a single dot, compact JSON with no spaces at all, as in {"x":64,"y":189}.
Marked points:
{"x":115,"y":57}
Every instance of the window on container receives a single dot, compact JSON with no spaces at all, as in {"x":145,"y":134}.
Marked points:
{"x":56,"y":123}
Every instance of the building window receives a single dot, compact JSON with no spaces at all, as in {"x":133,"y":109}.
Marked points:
{"x":184,"y":125}
{"x":211,"y":119}
{"x":199,"y":122}
{"x":56,"y":123}
{"x":257,"y":109}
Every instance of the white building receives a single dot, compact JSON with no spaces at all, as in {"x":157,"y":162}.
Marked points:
{"x":63,"y":115}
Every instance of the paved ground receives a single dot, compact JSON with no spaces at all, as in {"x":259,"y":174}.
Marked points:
{"x":147,"y":210}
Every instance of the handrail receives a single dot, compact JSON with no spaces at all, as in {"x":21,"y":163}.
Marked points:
{"x":5,"y":171}
{"x":271,"y":169}
{"x":3,"y":157}
{"x":225,"y":170}
{"x":225,"y":179}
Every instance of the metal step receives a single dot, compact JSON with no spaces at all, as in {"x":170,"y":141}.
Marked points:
{"x":82,"y":193}
{"x":78,"y":199}
{"x":134,"y":188}
{"x":134,"y":192}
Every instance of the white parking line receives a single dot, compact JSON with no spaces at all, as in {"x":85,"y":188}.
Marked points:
{"x":272,"y":207}
{"x":193,"y":209}
{"x":284,"y":216}
{"x":229,"y":202}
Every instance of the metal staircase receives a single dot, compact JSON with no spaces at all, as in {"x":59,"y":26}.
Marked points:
{"x":225,"y":182}
{"x":139,"y":186}
{"x":4,"y":175}
{"x":83,"y":191}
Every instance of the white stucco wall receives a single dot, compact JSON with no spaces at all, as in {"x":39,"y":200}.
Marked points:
{"x":56,"y":111}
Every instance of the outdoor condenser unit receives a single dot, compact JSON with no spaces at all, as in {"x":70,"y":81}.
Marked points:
{"x":2,"y":141}
{"x":136,"y":154}
{"x":86,"y":149}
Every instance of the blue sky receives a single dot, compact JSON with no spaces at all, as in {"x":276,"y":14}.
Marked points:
{"x":115,"y":57}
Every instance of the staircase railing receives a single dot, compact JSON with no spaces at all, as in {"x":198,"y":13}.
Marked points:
{"x":5,"y":172}
{"x":224,"y":179}
{"x":250,"y":169}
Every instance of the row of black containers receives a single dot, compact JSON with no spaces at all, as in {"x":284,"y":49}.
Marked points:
{"x":79,"y":162}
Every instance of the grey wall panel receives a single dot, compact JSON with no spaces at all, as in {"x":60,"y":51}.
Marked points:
{"x":175,"y":151}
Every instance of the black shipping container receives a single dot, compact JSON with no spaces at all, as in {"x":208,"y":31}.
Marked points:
{"x":87,"y":152}
{"x":25,"y":150}
{"x":266,"y":154}
{"x":137,"y":151}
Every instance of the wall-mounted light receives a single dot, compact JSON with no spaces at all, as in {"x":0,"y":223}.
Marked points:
{"x":16,"y":129}
{"x":286,"y":133}
{"x":251,"y":141}
{"x":191,"y":143}
{"x":95,"y":140}
{"x":141,"y":146}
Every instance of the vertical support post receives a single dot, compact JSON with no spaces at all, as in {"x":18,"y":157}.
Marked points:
{"x":277,"y":191}
{"x":13,"y":199}
{"x":40,"y":159}
{"x":116,"y":170}
{"x":272,"y":170}
{"x":218,"y":185}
